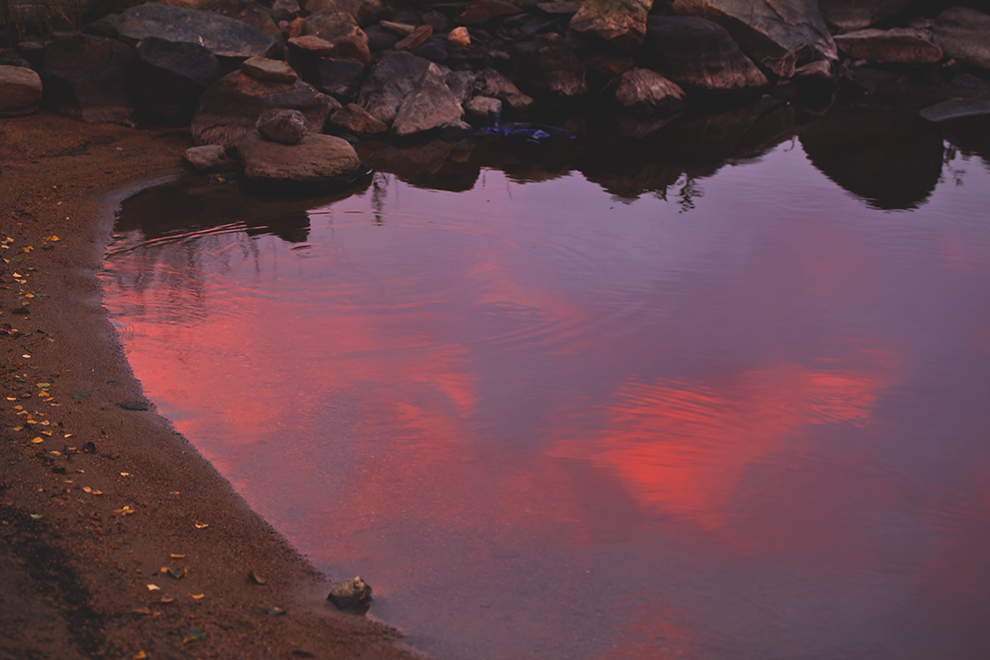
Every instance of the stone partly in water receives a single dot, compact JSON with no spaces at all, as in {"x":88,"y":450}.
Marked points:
{"x":430,"y":105}
{"x":263,"y":68}
{"x":170,"y":77}
{"x":319,"y":162}
{"x":224,"y":36}
{"x":849,"y":15}
{"x":20,"y":91}
{"x":86,"y":78}
{"x":621,"y":23}
{"x":897,"y":45}
{"x":956,"y":109}
{"x":388,"y":84}
{"x":207,"y":158}
{"x":494,"y":84}
{"x":964,"y":34}
{"x":285,"y":126}
{"x":230,"y":107}
{"x":644,"y":93}
{"x":483,"y":111}
{"x":356,"y":119}
{"x":351,"y":595}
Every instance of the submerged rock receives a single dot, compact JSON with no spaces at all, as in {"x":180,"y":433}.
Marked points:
{"x":350,"y":595}
{"x":644,"y":92}
{"x":956,"y":109}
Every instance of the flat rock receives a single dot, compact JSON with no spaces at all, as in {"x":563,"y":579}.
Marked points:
{"x":86,"y":78}
{"x":897,"y":45}
{"x":263,"y":68}
{"x":285,"y":126}
{"x":223,"y":36}
{"x":311,"y":45}
{"x":619,"y":22}
{"x":956,"y":109}
{"x":479,"y":12}
{"x":246,"y":11}
{"x":170,"y":77}
{"x":356,"y":119}
{"x":429,"y":105}
{"x":232,"y":106}
{"x":646,"y":92}
{"x":207,"y":158}
{"x":388,"y":84}
{"x":779,"y":34}
{"x":850,"y":15}
{"x":20,"y":91}
{"x":964,"y":34}
{"x":318,"y":162}
{"x":700,"y":55}
{"x":364,"y":12}
{"x":332,"y":26}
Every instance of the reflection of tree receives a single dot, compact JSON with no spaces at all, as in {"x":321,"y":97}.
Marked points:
{"x":949,"y":168}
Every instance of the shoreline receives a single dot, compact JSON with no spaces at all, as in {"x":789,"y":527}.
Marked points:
{"x":86,"y":528}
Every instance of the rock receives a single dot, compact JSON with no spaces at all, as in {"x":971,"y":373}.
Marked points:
{"x":494,"y":84}
{"x":849,"y":15}
{"x":332,"y":26}
{"x":483,"y":111}
{"x":699,"y":55}
{"x":897,"y":45}
{"x":415,"y":39}
{"x":285,"y":126}
{"x":350,"y":595}
{"x":436,"y":49}
{"x":560,"y":7}
{"x":85,"y":77}
{"x":169,"y":78}
{"x":779,"y":34}
{"x":20,"y":91}
{"x":356,"y":119}
{"x":644,"y":93}
{"x":10,"y":57}
{"x":818,"y":72}
{"x":262,"y":68}
{"x":388,"y":84}
{"x":480,"y":12}
{"x":354,"y":48}
{"x":232,"y":105}
{"x":552,"y":68}
{"x":207,"y":158}
{"x":956,"y":109}
{"x":439,"y":22}
{"x":608,"y":63}
{"x":461,"y":84}
{"x":340,"y":78}
{"x":311,"y":45}
{"x":622,"y":23}
{"x":364,"y":12}
{"x":246,"y":11}
{"x":459,"y":37}
{"x":380,"y":39}
{"x":318,"y":162}
{"x":430,"y":105}
{"x":401,"y":29}
{"x":962,"y":34}
{"x":224,"y":36}
{"x":287,"y":9}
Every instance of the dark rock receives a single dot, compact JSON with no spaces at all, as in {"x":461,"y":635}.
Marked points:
{"x":699,"y":55}
{"x":207,"y":158}
{"x":644,"y":93}
{"x":388,"y":84}
{"x":284,"y":126}
{"x":461,"y":84}
{"x":20,"y":91}
{"x":223,"y":36}
{"x":818,"y":72}
{"x":170,"y":77}
{"x":849,"y":15}
{"x":621,"y":23}
{"x":962,"y":34}
{"x":232,"y":105}
{"x":286,"y":9}
{"x":333,"y":26}
{"x":559,"y":71}
{"x":350,"y":595}
{"x":436,"y":49}
{"x":483,"y":111}
{"x":356,"y":119}
{"x":318,"y":162}
{"x":415,"y":39}
{"x":480,"y":12}
{"x":494,"y":84}
{"x":380,"y":39}
{"x":10,"y":57}
{"x":364,"y":12}
{"x":340,"y":78}
{"x":429,"y":105}
{"x":897,"y":45}
{"x":246,"y":11}
{"x":85,"y":77}
{"x":436,"y":20}
{"x":355,"y":48}
{"x":137,"y":406}
{"x":608,"y":63}
{"x":779,"y":34}
{"x":263,"y":68}
{"x":956,"y":109}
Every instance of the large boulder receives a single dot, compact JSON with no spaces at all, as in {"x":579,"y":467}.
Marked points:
{"x":318,"y":162}
{"x":388,"y":84}
{"x":340,"y":78}
{"x":429,"y":105}
{"x":20,"y":91}
{"x":333,"y":26}
{"x":364,"y":12}
{"x":778,"y":34}
{"x":619,"y":22}
{"x":699,"y":55}
{"x":897,"y":45}
{"x":553,"y":68}
{"x":246,"y":11}
{"x":644,"y":92}
{"x":231,"y":107}
{"x":225,"y":37}
{"x":169,"y":78}
{"x":85,"y":77}
{"x":849,"y":15}
{"x":963,"y":34}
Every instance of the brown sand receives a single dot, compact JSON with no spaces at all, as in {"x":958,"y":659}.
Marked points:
{"x":83,"y":535}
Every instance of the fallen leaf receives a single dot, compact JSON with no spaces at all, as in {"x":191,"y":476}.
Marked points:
{"x":142,"y":610}
{"x":194,"y":636}
{"x":173,"y":556}
{"x":140,"y":655}
{"x":37,"y":440}
{"x":81,"y":394}
{"x":197,"y":596}
{"x":166,"y":600}
{"x":36,"y":516}
{"x":257,"y":579}
{"x":154,"y":587}
{"x":87,"y":489}
{"x":125,"y":474}
{"x":200,"y":525}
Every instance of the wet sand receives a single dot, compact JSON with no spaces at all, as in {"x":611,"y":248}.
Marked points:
{"x":97,"y":500}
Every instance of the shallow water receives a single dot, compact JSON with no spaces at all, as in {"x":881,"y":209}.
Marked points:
{"x":643,"y":400}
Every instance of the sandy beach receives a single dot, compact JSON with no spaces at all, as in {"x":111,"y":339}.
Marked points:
{"x":117,"y":539}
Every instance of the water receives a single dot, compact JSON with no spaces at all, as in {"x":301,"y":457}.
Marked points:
{"x":675,"y":397}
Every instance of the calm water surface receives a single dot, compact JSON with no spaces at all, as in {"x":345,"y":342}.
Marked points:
{"x":735,"y":411}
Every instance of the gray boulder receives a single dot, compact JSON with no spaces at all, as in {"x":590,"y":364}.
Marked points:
{"x":622,"y":23}
{"x":224,"y":37}
{"x":429,"y":105}
{"x":897,"y":45}
{"x":964,"y":34}
{"x":318,"y":162}
{"x":207,"y":158}
{"x":644,"y":93}
{"x":779,"y":34}
{"x":388,"y":84}
{"x":20,"y":91}
{"x":849,"y":15}
{"x":699,"y":55}
{"x":231,"y":107}
{"x":170,"y":77}
{"x":85,"y":77}
{"x":285,"y":126}
{"x":350,"y":595}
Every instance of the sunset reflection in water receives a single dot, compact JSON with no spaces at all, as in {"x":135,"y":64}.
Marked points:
{"x":603,"y":428}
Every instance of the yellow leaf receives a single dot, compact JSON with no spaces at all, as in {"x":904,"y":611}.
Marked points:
{"x":87,"y":489}
{"x":140,"y":655}
{"x":197,"y":596}
{"x":173,"y":556}
{"x":200,"y":525}
{"x":37,"y":440}
{"x":154,"y":587}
